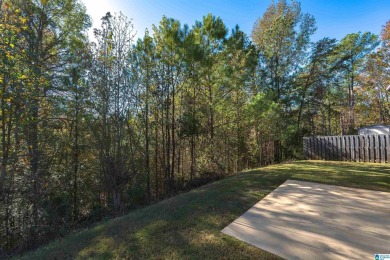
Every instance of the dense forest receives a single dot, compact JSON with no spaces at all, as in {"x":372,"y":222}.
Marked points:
{"x":92,"y":128}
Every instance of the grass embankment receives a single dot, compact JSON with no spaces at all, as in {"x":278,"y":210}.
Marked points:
{"x":188,"y":226}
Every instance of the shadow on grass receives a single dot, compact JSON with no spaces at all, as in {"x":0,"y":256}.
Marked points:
{"x":308,"y":214}
{"x":189,"y":225}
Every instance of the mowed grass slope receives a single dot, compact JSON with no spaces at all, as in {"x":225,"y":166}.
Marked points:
{"x":188,"y":226}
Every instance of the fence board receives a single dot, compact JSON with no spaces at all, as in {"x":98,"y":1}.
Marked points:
{"x":331,"y":151}
{"x":376,"y":148}
{"x":318,"y":152}
{"x":382,"y":145}
{"x":311,"y":148}
{"x":343,"y":153}
{"x":356,"y":143}
{"x":359,"y":148}
{"x":324,"y":147}
{"x":332,"y":138}
{"x":387,"y":137}
{"x":372,"y":149}
{"x":367,"y":148}
{"x":338,"y":147}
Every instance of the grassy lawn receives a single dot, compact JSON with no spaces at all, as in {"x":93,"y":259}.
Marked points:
{"x":188,"y":226}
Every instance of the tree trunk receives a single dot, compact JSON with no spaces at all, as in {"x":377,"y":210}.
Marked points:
{"x":172,"y":177}
{"x":76,"y":154}
{"x":147,"y":137}
{"x":156,"y":158}
{"x":116,"y":195}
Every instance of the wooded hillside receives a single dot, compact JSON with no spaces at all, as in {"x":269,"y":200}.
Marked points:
{"x":90,"y":128}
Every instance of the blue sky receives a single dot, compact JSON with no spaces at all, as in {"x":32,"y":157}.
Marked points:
{"x":335,"y":18}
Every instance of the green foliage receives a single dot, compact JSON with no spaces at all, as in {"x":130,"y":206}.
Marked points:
{"x":90,"y":129}
{"x":190,"y":125}
{"x":261,"y":107}
{"x":58,"y":214}
{"x":282,"y":36}
{"x":348,"y":58}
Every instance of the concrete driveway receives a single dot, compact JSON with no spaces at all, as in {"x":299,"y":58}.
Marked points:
{"x":304,"y":220}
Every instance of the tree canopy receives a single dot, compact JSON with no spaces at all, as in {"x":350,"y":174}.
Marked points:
{"x":91,"y":128}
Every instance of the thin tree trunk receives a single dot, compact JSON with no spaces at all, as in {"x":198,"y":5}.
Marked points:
{"x":147,"y":137}
{"x":76,"y":156}
{"x":172,"y":177}
{"x":156,"y":157}
{"x":192,"y":157}
{"x":116,"y":199}
{"x":3,"y":141}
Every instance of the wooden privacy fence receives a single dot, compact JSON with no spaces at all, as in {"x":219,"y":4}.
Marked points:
{"x":358,"y":148}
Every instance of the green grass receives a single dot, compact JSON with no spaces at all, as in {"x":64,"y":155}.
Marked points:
{"x":188,"y":226}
